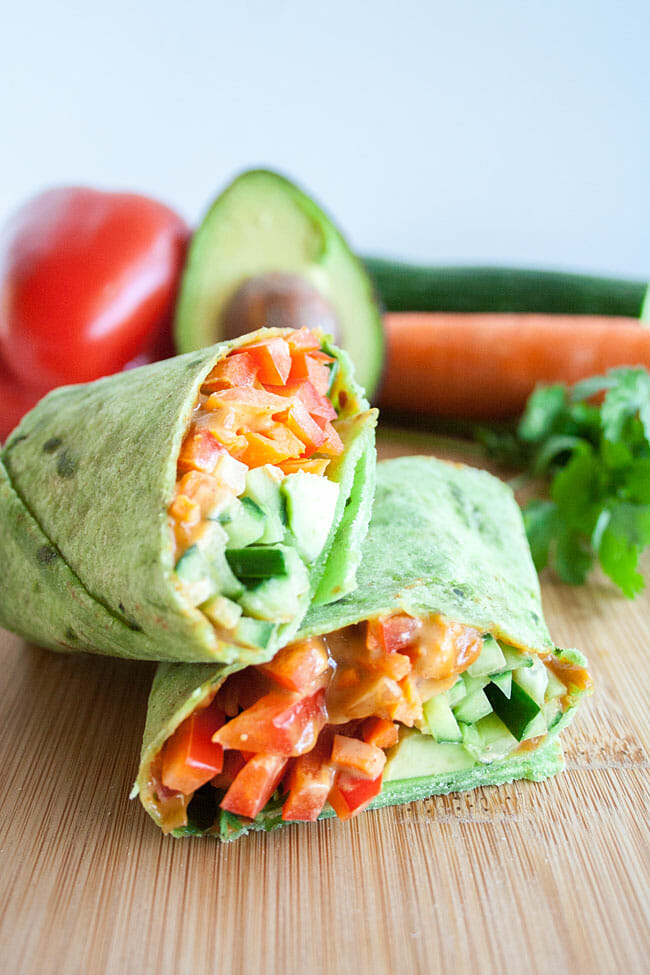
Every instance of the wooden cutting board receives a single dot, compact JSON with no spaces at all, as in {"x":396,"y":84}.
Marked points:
{"x":528,"y":877}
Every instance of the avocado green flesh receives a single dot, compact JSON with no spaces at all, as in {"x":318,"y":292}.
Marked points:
{"x":263,"y":223}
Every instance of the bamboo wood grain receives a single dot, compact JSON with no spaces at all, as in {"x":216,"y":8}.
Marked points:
{"x":549,"y":877}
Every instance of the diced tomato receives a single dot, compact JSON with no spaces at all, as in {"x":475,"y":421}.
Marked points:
{"x":271,"y":358}
{"x":314,"y":465}
{"x":309,"y":782}
{"x":333,"y":445}
{"x":350,"y":794}
{"x":374,"y":694}
{"x":271,"y":447}
{"x":300,"y":666}
{"x":200,"y":452}
{"x":279,"y":723}
{"x":254,"y":785}
{"x":233,"y":763}
{"x":235,"y":370}
{"x":303,"y":339}
{"x":305,"y":366}
{"x":379,"y":732}
{"x":391,"y":634}
{"x":303,"y":426}
{"x":190,"y":757}
{"x":357,"y":757}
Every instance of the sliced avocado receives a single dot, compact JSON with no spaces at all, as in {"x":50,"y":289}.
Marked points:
{"x":311,"y":504}
{"x":418,"y":754}
{"x":263,"y":225}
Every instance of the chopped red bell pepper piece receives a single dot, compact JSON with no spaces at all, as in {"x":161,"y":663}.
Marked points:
{"x":309,"y":782}
{"x":190,"y":757}
{"x":392,"y":634}
{"x":350,"y":794}
{"x":300,"y":666}
{"x":254,"y":785}
{"x":280,"y":723}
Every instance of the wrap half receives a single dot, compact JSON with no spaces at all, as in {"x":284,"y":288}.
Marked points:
{"x":192,"y":509}
{"x":436,"y":674}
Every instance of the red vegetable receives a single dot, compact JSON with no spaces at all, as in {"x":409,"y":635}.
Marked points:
{"x":87,"y":285}
{"x":254,"y":785}
{"x":191,"y":758}
{"x":350,"y":794}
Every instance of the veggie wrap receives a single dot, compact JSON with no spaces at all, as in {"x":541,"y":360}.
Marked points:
{"x":191,"y":509}
{"x":436,"y":674}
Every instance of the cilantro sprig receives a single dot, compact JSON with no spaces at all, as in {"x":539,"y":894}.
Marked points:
{"x":594,"y":458}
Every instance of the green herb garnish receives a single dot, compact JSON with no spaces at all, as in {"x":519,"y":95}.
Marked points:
{"x":595,"y":460}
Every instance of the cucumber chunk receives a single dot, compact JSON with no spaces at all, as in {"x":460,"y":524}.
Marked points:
{"x":490,"y":660}
{"x":244,"y":522}
{"x":488,"y":740}
{"x":440,"y":719}
{"x":514,"y":657}
{"x":278,"y":598}
{"x":555,"y":688}
{"x":456,"y":693}
{"x":503,"y":681}
{"x":534,"y":680}
{"x":311,"y":504}
{"x":253,"y":633}
{"x":263,"y":487}
{"x":194,"y":571}
{"x":473,"y":707}
{"x":222,"y":612}
{"x":517,"y":712}
{"x":257,"y":561}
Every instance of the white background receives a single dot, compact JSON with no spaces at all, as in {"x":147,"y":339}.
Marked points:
{"x":506,"y":132}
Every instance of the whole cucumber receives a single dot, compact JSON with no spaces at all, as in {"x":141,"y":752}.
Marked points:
{"x":410,"y":287}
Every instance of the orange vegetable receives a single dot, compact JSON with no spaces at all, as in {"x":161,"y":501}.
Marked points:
{"x":271,"y":358}
{"x":357,"y":757}
{"x":234,"y":370}
{"x":379,"y":732}
{"x":300,"y":666}
{"x":484,"y":366}
{"x":350,"y":794}
{"x":309,"y":782}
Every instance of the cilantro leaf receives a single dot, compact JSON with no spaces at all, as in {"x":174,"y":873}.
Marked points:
{"x":595,"y":458}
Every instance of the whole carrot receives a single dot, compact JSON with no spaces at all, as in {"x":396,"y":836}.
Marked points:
{"x":484,"y":366}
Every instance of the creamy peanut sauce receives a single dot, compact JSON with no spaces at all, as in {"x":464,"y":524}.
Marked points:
{"x":360,"y":687}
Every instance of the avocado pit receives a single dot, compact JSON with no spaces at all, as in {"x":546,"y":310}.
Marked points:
{"x":278,"y":300}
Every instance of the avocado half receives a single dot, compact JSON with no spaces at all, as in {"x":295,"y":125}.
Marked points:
{"x":263,"y":225}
